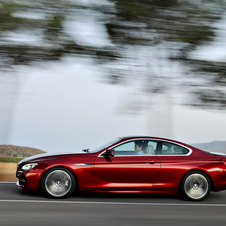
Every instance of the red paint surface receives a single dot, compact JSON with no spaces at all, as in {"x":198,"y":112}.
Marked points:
{"x":154,"y":174}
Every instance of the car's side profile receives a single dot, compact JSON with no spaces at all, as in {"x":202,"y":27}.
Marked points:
{"x":127,"y":164}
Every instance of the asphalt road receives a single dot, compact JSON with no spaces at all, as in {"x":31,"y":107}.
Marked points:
{"x":23,"y":208}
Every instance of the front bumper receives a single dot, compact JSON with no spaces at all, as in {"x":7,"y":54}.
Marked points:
{"x":27,"y":180}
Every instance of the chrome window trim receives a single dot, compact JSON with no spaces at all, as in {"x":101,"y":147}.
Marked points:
{"x":130,"y":156}
{"x":154,"y":139}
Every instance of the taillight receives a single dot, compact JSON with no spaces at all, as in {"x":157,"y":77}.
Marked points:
{"x":223,"y":160}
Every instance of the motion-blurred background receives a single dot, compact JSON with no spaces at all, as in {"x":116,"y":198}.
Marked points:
{"x":74,"y":74}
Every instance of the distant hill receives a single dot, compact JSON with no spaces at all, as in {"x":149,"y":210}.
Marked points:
{"x":214,"y":146}
{"x":18,"y":151}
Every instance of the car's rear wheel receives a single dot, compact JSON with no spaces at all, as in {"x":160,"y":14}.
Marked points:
{"x":58,"y":182}
{"x":196,"y":186}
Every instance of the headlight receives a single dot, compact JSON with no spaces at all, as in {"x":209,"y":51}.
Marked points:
{"x":29,"y":166}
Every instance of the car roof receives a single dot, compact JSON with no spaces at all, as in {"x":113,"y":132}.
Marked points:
{"x":147,"y":137}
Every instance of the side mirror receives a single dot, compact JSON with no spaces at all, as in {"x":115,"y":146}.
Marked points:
{"x":109,"y":153}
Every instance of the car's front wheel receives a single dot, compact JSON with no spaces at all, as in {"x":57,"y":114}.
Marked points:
{"x":58,"y":182}
{"x":196,"y":186}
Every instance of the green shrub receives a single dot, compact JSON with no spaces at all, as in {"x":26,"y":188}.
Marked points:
{"x":10,"y":159}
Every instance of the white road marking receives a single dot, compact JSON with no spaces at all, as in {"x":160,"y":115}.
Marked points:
{"x":115,"y":203}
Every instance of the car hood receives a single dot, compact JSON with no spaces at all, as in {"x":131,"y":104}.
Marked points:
{"x":47,"y":156}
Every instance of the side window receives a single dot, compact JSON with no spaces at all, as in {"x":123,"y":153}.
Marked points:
{"x":173,"y":149}
{"x":125,"y":149}
{"x":151,"y":147}
{"x":136,"y":147}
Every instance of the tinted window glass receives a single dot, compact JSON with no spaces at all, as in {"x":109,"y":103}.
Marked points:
{"x":173,"y":149}
{"x":151,"y":147}
{"x":145,"y":147}
{"x":125,"y":149}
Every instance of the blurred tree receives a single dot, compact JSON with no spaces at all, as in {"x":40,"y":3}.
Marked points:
{"x":24,"y":20}
{"x":144,"y":33}
{"x":167,"y":32}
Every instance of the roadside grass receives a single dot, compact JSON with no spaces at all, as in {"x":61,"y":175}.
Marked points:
{"x":10,"y":159}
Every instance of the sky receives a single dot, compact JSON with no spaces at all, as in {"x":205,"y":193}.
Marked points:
{"x":66,"y":106}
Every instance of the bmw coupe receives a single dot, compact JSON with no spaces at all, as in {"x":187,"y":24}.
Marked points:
{"x":127,"y":164}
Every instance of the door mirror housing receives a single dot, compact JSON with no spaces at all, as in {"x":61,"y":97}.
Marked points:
{"x":109,"y":153}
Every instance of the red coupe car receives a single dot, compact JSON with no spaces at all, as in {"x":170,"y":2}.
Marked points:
{"x":127,"y":164}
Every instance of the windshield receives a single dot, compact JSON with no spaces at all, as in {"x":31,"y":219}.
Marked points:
{"x":102,"y":146}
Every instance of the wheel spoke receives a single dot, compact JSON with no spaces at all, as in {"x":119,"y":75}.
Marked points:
{"x":196,"y":186}
{"x":58,"y":183}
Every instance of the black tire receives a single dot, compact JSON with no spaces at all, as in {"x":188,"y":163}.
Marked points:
{"x":195,"y":186}
{"x":58,"y":182}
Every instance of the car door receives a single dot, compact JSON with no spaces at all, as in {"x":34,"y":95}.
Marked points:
{"x":126,"y":169}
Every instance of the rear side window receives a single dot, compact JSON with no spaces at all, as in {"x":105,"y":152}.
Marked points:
{"x":173,"y":149}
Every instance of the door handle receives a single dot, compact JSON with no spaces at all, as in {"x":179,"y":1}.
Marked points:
{"x":151,"y":161}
